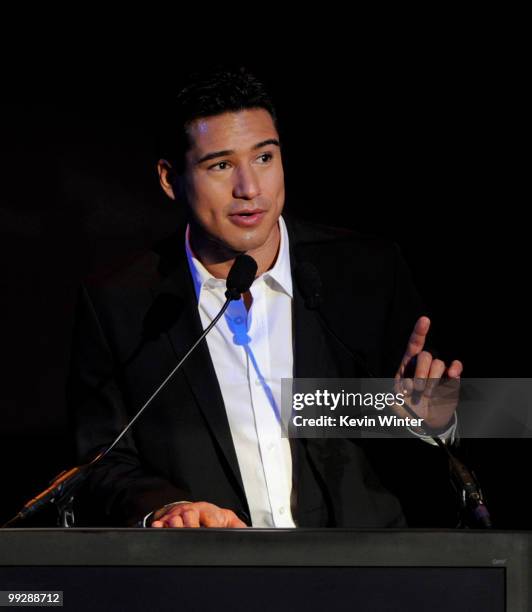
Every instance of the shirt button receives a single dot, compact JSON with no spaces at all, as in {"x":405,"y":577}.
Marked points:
{"x":258,"y":383}
{"x":281,"y":510}
{"x":271,"y":446}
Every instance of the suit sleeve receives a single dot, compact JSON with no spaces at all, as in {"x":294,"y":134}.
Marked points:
{"x":122,"y":489}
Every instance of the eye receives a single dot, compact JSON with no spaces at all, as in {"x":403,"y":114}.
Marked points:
{"x":264,"y":158}
{"x":223,"y":165}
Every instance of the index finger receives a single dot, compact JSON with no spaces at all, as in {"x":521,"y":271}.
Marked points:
{"x":416,"y":342}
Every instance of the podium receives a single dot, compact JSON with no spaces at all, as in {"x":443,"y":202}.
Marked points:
{"x":272,"y":569}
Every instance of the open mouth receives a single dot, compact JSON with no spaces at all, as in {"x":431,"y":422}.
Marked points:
{"x":247,"y":213}
{"x":247,"y":218}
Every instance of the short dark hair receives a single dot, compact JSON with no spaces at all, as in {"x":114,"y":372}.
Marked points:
{"x":208,"y":94}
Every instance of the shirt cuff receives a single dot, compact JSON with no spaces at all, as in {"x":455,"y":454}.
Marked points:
{"x":144,"y":521}
{"x":448,"y":436}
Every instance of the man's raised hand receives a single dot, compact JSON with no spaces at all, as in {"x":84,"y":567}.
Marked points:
{"x":431,"y":388}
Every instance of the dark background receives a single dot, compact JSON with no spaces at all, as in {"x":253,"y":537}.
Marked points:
{"x":428,"y":152}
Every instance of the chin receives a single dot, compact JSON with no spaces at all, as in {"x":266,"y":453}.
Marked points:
{"x":249,"y":241}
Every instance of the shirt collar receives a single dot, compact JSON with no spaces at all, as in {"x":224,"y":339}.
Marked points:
{"x":279,"y":277}
{"x":281,"y":272}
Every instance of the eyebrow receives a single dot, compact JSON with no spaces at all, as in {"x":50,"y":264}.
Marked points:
{"x":226,"y":152}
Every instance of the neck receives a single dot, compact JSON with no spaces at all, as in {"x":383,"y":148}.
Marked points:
{"x":218,"y":259}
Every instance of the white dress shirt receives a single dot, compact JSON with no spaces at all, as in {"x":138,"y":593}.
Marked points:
{"x":251,"y":352}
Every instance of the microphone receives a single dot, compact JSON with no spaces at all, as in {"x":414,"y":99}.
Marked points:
{"x":241,"y":276}
{"x":471,"y":494}
{"x":63,"y":487}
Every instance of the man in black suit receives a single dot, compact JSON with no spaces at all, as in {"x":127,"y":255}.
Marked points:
{"x":208,"y":452}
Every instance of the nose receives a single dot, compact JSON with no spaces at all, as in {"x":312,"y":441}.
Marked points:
{"x":246,"y":185}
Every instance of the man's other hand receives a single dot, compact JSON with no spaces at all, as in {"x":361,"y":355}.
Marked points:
{"x":195,"y":514}
{"x":432,"y":390}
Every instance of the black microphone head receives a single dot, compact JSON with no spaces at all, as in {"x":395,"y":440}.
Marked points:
{"x":240,"y":277}
{"x":309,"y":282}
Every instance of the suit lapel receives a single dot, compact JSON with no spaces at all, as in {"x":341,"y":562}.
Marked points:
{"x":313,"y":358}
{"x":198,"y":369}
{"x":312,"y":352}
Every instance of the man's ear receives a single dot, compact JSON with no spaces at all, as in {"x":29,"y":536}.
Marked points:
{"x":171,"y":182}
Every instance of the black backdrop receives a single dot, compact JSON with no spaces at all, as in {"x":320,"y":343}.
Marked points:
{"x":426,"y":154}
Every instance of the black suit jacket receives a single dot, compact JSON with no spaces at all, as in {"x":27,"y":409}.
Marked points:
{"x":181,"y":448}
